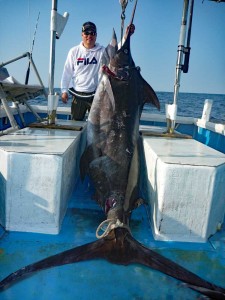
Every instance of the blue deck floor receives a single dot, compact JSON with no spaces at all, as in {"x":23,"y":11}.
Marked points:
{"x":100,"y":279}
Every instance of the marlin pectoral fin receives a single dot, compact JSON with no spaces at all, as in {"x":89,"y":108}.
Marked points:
{"x":150,"y":95}
{"x":85,"y":252}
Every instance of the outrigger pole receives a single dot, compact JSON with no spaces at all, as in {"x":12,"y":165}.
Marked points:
{"x":171,"y":109}
{"x":31,"y":51}
{"x":57,"y":26}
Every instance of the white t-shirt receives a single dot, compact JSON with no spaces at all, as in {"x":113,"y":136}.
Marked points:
{"x":81,"y":69}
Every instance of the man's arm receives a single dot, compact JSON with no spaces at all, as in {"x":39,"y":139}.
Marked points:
{"x":66,"y":77}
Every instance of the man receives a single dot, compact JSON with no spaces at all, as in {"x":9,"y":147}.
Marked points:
{"x":82,"y":68}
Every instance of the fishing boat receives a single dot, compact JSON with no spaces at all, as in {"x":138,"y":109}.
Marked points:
{"x":45,"y":208}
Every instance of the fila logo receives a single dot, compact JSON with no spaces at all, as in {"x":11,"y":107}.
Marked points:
{"x":86,"y":61}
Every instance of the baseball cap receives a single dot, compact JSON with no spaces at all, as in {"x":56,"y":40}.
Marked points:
{"x":89,"y":26}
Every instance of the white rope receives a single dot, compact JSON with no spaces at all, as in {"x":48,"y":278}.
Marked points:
{"x":111,"y":224}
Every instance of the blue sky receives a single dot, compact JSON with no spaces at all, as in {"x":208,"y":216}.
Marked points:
{"x":154,"y":44}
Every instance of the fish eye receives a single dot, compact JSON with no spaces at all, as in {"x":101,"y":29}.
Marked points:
{"x":125,"y":51}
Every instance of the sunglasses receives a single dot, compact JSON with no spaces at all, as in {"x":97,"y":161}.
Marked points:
{"x":89,"y":33}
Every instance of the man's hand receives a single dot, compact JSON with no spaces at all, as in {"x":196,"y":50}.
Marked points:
{"x":132,"y":29}
{"x":64,"y":97}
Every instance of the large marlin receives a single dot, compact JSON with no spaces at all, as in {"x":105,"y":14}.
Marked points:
{"x":111,"y":159}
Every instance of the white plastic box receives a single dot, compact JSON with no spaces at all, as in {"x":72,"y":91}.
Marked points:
{"x":38,"y":171}
{"x":186,"y":189}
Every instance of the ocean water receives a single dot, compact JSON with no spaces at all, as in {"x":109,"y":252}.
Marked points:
{"x":189,"y":104}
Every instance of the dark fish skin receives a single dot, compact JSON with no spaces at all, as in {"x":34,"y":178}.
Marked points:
{"x":111,"y":158}
{"x":112,"y":162}
{"x":119,"y":247}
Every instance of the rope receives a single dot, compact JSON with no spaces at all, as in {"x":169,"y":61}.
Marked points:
{"x":111,"y":224}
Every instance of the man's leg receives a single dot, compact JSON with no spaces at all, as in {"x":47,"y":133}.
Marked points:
{"x":78,"y":109}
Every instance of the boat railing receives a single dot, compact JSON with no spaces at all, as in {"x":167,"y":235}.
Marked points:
{"x":27,"y":54}
{"x":19,"y":93}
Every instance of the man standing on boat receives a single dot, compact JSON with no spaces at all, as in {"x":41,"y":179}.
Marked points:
{"x":81,"y":69}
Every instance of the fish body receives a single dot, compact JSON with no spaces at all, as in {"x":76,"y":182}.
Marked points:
{"x":113,"y":140}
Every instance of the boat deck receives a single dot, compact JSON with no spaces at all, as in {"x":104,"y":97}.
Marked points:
{"x":99,"y":279}
{"x":95,"y":279}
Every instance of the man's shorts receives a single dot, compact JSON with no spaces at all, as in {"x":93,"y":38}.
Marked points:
{"x":81,"y":104}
